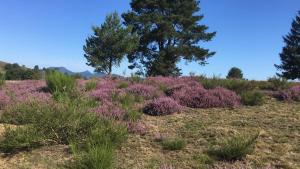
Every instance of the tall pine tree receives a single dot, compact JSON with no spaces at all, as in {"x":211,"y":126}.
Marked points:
{"x":169,"y":31}
{"x":290,"y":55}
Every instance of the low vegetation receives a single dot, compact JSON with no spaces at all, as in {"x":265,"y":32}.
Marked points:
{"x":104,"y":121}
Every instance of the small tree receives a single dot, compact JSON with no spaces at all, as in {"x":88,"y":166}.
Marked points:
{"x":235,"y":73}
{"x":290,"y":55}
{"x":109,"y":44}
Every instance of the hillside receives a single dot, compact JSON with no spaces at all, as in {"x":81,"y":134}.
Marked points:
{"x":2,"y":64}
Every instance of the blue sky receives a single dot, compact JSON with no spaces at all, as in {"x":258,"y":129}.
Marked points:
{"x":52,"y":33}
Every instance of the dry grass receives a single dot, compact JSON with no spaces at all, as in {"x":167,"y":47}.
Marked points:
{"x":277,"y":146}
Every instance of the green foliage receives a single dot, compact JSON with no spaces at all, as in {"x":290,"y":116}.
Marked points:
{"x":92,"y":140}
{"x":235,"y":73}
{"x":109,"y":44}
{"x":16,"y":72}
{"x":235,"y":148}
{"x":20,"y":139}
{"x":59,"y":83}
{"x":253,"y":98}
{"x":237,"y":85}
{"x":290,"y":60}
{"x":2,"y":79}
{"x":173,"y":144}
{"x":91,"y":85}
{"x":165,"y":35}
{"x":128,"y":102}
{"x":123,"y":85}
{"x":135,"y":78}
{"x":278,"y":83}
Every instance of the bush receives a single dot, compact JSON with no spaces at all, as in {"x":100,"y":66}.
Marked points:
{"x":145,"y":91}
{"x":162,"y":106}
{"x":2,"y":79}
{"x":123,"y":85}
{"x":235,"y":148}
{"x":60,"y":83}
{"x":173,"y":144}
{"x":291,"y":94}
{"x":235,"y":73}
{"x":277,"y":83}
{"x":4,"y":100}
{"x":197,"y":97}
{"x":91,"y":85}
{"x":252,"y":98}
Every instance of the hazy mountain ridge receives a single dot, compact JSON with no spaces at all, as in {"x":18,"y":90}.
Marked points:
{"x":85,"y":74}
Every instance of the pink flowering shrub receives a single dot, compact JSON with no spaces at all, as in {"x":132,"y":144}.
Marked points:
{"x":162,"y":106}
{"x":291,"y":94}
{"x":137,"y":127}
{"x":30,"y":90}
{"x":110,"y":110}
{"x":4,"y":100}
{"x":195,"y":96}
{"x":145,"y":91}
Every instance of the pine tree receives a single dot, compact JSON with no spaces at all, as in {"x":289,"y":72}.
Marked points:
{"x":109,"y":44}
{"x":290,"y":55}
{"x":169,"y":31}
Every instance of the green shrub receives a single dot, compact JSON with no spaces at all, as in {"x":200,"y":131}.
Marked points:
{"x":68,"y":123}
{"x":237,"y":85}
{"x":20,"y":139}
{"x":235,"y":148}
{"x":135,"y":78}
{"x":252,"y":98}
{"x":277,"y":83}
{"x":123,"y":85}
{"x":2,"y":79}
{"x":173,"y":144}
{"x":60,"y":83}
{"x":91,"y":85}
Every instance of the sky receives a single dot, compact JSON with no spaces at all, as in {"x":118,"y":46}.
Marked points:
{"x":52,"y":33}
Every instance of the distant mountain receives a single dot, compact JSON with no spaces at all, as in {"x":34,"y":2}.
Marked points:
{"x":86,"y":74}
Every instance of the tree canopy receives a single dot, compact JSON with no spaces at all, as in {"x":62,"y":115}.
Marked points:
{"x":109,"y":44}
{"x":290,"y":55}
{"x":235,"y":73}
{"x":169,"y":31}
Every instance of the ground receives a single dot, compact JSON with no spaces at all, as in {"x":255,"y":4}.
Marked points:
{"x":278,"y":144}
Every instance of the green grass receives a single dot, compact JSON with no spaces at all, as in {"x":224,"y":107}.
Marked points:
{"x":64,"y":123}
{"x":235,"y":148}
{"x":173,"y":144}
{"x":60,"y":83}
{"x":91,"y":85}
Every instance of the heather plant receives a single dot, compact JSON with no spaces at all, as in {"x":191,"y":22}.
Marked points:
{"x":195,"y":96}
{"x":145,"y":91}
{"x":162,"y":106}
{"x":111,"y":110}
{"x":252,"y":98}
{"x":291,"y":94}
{"x":60,"y":83}
{"x":173,"y":144}
{"x":136,"y":127}
{"x":4,"y":100}
{"x":235,"y":148}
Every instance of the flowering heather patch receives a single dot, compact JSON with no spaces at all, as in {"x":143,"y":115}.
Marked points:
{"x":4,"y":99}
{"x":291,"y":94}
{"x":27,"y":91}
{"x":110,"y":110}
{"x":162,"y":106}
{"x":146,"y":91}
{"x":137,"y":127}
{"x":195,"y":96}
